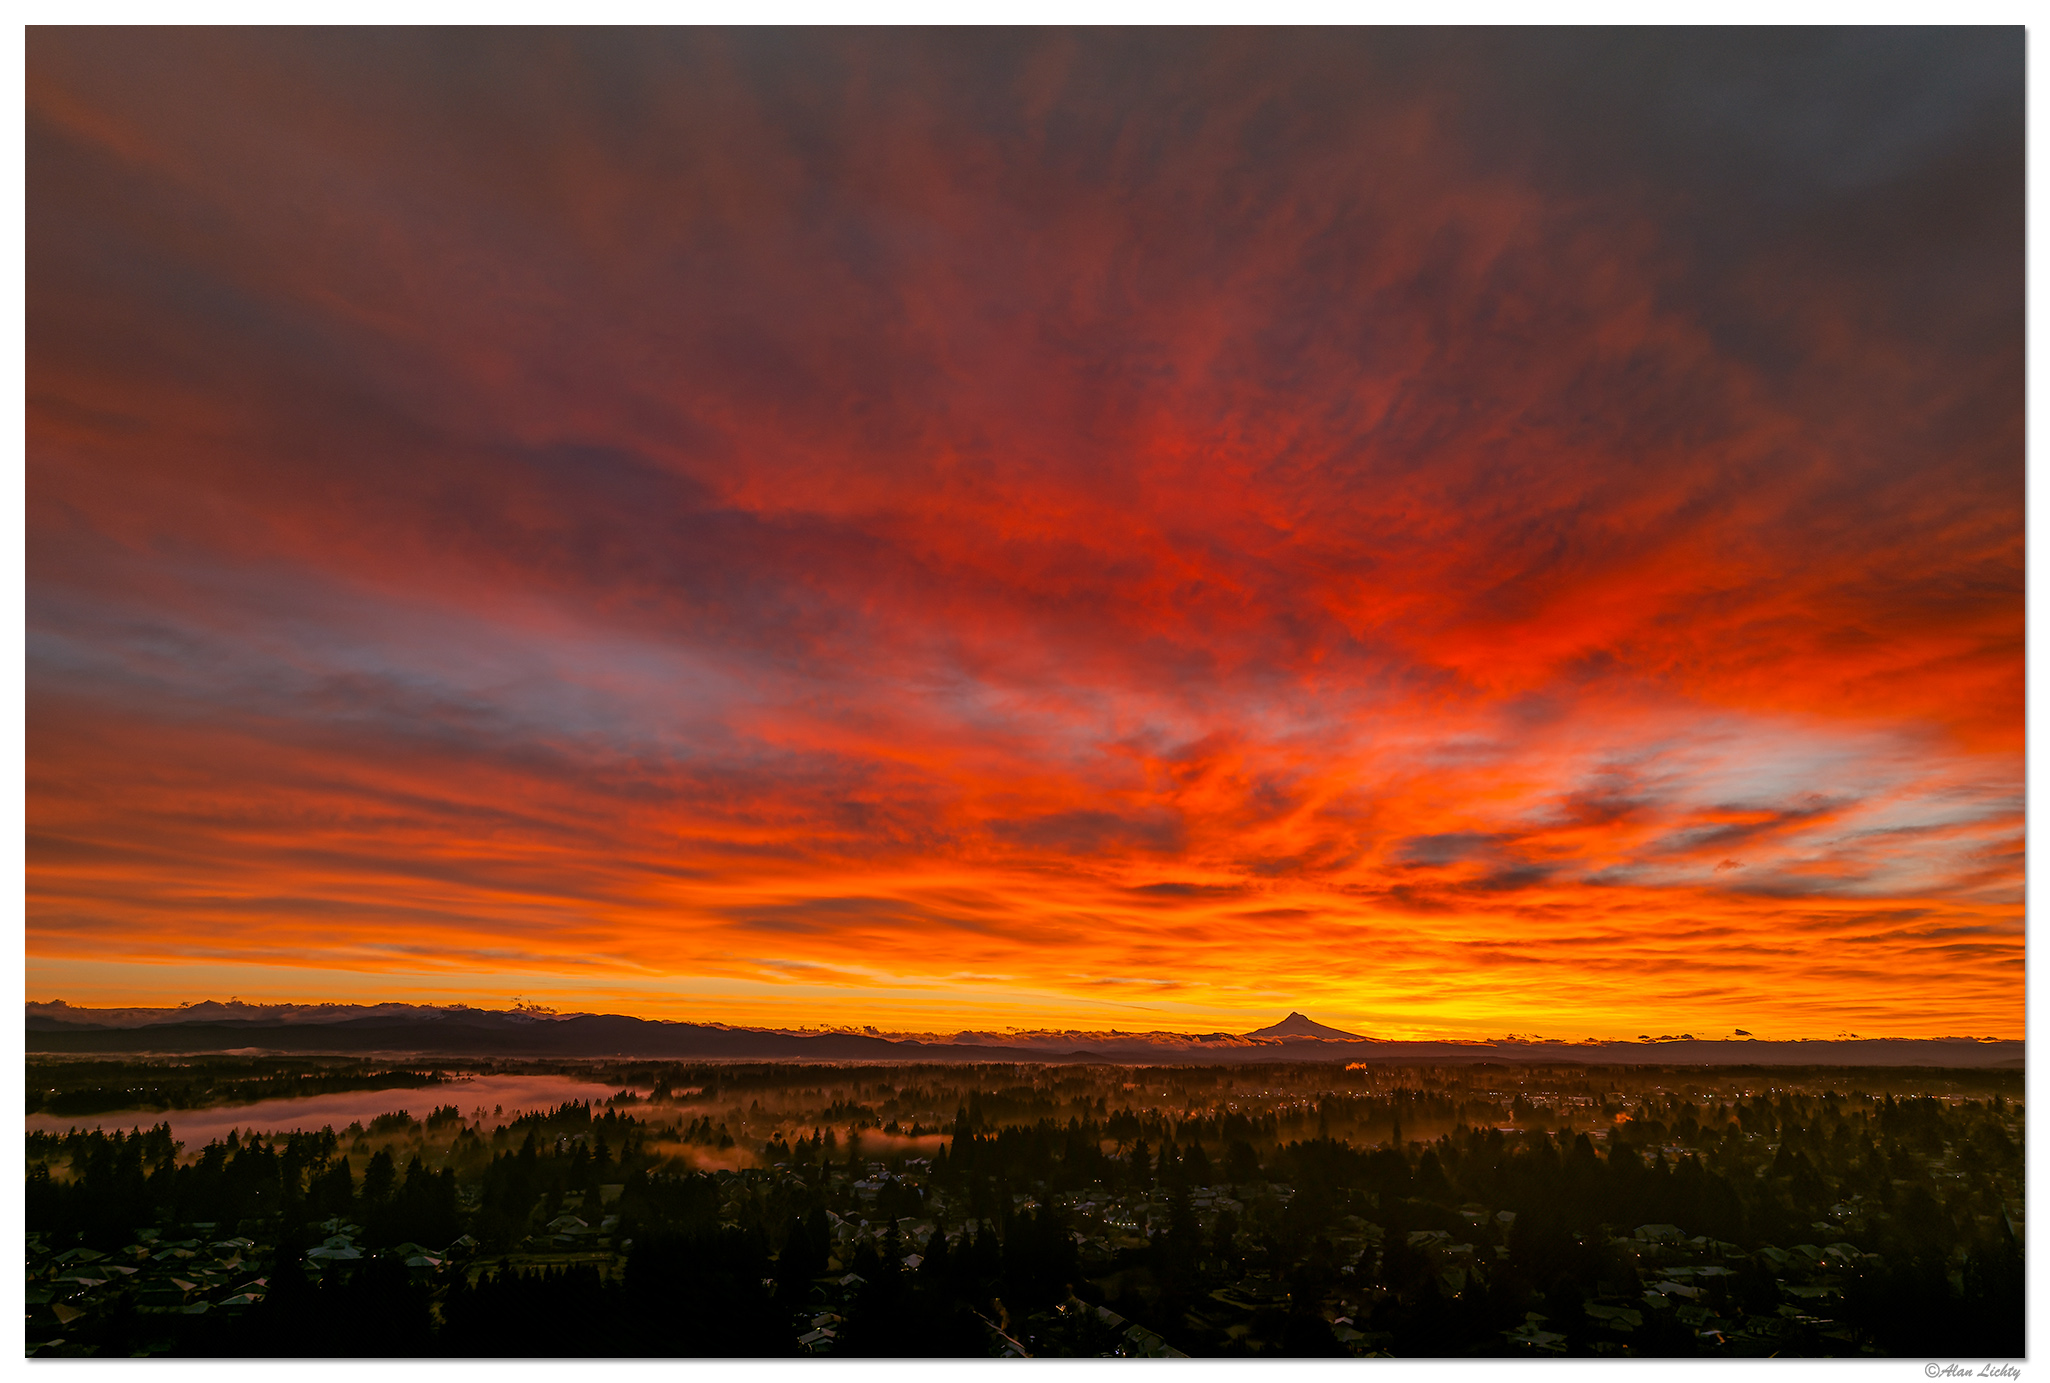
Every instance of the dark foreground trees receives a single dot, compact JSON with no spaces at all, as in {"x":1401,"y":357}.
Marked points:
{"x":1791,"y":1225}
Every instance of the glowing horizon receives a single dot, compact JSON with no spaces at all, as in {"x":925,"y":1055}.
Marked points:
{"x":1450,"y":533}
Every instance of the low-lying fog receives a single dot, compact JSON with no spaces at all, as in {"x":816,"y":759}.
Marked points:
{"x":500,"y":1098}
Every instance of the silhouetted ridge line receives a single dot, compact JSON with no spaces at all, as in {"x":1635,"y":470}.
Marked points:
{"x":468,"y":1032}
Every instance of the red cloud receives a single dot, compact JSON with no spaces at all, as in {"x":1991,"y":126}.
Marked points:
{"x":1234,"y":517}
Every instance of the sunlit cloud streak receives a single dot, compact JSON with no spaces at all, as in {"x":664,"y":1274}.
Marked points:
{"x":1455,"y":530}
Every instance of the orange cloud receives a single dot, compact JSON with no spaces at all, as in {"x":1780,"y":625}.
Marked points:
{"x":816,"y":528}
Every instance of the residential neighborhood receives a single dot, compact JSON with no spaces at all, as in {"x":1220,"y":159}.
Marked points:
{"x":1060,"y":1212}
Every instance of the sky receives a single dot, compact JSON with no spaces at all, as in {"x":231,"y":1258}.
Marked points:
{"x":1458,"y":533}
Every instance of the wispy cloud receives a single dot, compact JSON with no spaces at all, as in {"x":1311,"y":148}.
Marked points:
{"x":1369,"y":520}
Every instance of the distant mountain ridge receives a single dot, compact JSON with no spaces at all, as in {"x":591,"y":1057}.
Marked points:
{"x":457,"y":1031}
{"x":1301,"y":1025}
{"x":235,"y":1011}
